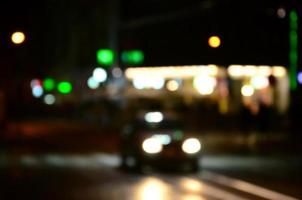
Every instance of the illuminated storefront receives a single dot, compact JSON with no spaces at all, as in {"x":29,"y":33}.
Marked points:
{"x":230,"y":87}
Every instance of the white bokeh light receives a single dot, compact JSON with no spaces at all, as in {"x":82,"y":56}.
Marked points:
{"x":247,"y":90}
{"x":191,"y":145}
{"x":172,"y":85}
{"x":141,"y":82}
{"x":154,"y":117}
{"x":157,"y":83}
{"x":99,"y":75}
{"x":92,"y":83}
{"x":152,"y":146}
{"x":37,"y":91}
{"x":49,"y":99}
{"x":205,"y":85}
{"x":260,"y":82}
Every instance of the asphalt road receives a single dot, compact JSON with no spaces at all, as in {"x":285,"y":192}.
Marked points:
{"x":97,"y":176}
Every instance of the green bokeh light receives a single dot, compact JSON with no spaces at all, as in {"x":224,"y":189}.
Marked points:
{"x":133,"y":57}
{"x":105,"y":57}
{"x":293,"y":49}
{"x":178,"y":135}
{"x":49,"y":84}
{"x":64,"y":87}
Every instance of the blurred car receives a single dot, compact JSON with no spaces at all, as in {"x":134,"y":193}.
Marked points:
{"x":157,"y":139}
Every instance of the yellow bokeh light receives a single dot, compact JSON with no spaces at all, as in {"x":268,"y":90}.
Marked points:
{"x":235,"y":71}
{"x":247,"y":90}
{"x":279,"y":71}
{"x":172,"y":85}
{"x":18,"y":37}
{"x":214,"y":41}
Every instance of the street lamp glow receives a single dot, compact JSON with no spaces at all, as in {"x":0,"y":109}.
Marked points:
{"x":18,"y":37}
{"x":214,"y":41}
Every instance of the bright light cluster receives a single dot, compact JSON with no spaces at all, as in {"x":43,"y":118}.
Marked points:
{"x":99,"y":75}
{"x":155,"y":144}
{"x":172,"y":72}
{"x":205,"y":85}
{"x":239,"y":71}
{"x":260,"y":82}
{"x":148,"y":82}
{"x":38,"y":91}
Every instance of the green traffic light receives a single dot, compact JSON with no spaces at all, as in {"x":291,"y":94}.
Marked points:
{"x":64,"y":87}
{"x":105,"y":57}
{"x":49,"y":84}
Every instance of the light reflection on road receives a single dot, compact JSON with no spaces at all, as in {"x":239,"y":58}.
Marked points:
{"x":152,"y":188}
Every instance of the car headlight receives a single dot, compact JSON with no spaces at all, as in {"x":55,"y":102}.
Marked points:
{"x":152,"y":146}
{"x":191,"y":146}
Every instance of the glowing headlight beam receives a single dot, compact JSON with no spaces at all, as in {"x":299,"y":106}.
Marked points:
{"x":152,"y":146}
{"x":191,"y":146}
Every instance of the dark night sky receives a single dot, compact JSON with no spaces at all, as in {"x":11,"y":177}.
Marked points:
{"x":251,"y":32}
{"x":67,"y":33}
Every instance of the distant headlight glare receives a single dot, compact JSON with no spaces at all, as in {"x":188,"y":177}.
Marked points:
{"x":152,"y":146}
{"x":191,"y":146}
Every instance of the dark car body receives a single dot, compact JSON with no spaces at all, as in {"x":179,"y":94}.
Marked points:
{"x":170,"y":132}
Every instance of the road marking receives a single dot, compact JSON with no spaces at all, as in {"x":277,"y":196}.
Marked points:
{"x":244,"y":186}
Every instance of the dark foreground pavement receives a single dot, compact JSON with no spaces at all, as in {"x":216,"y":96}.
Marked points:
{"x":58,"y":160}
{"x":97,"y":176}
